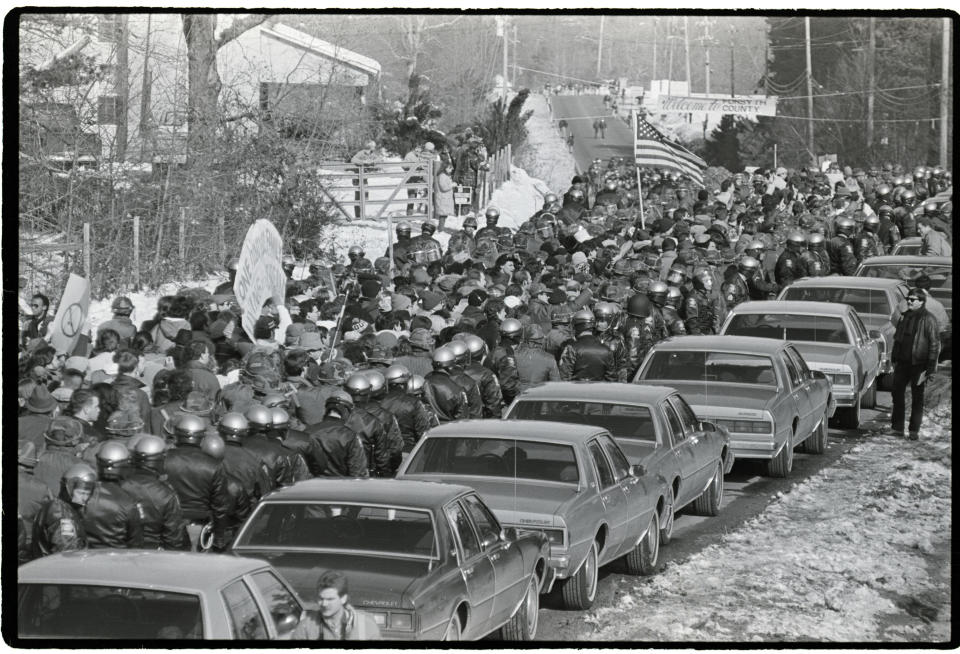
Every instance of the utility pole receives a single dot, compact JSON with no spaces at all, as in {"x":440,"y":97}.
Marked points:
{"x":514,"y":55}
{"x":686,"y":49}
{"x":502,"y":32}
{"x":653,"y":75}
{"x":944,"y":87}
{"x":871,"y":83}
{"x":706,"y":54}
{"x":811,"y":145}
{"x":122,"y":86}
{"x":670,"y":58}
{"x":145,"y":95}
{"x":733,"y":90}
{"x":600,"y":47}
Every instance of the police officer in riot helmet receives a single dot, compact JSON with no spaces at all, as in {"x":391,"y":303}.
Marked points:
{"x":843,"y":260}
{"x":338,"y":449}
{"x":490,"y":391}
{"x":58,"y":525}
{"x":164,"y":526}
{"x":112,"y":518}
{"x":586,"y":358}
{"x":700,"y":308}
{"x":240,"y":462}
{"x":867,"y":243}
{"x":411,"y":415}
{"x":607,"y":316}
{"x":374,"y":434}
{"x":468,"y":383}
{"x":447,"y":397}
{"x":790,"y":264}
{"x":503,"y":360}
{"x":816,"y":257}
{"x":736,"y":288}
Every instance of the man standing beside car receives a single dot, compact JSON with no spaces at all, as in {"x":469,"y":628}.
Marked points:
{"x":335,"y":618}
{"x":916,"y":347}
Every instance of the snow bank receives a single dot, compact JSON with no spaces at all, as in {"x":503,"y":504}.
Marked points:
{"x":859,"y":552}
{"x":545,"y":155}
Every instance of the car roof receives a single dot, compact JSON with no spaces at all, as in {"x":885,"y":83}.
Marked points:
{"x":847,"y":282}
{"x":907,"y":260}
{"x":746,"y":344}
{"x":397,"y":492}
{"x":526,"y":429}
{"x":140,"y":568}
{"x":597,"y":392}
{"x":793,"y":306}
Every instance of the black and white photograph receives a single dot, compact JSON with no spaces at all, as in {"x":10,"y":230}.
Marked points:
{"x":586,"y":327}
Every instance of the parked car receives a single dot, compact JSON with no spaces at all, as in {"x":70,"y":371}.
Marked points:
{"x":147,"y":594}
{"x":759,"y":389}
{"x":831,"y":338}
{"x":905,"y":246}
{"x":879,"y":303}
{"x":571,"y":483}
{"x":428,"y":561}
{"x":654,"y":427}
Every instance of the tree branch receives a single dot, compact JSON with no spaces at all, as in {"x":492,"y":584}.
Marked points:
{"x":239,"y":26}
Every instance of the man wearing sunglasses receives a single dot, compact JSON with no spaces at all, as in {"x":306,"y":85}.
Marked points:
{"x":916,"y":347}
{"x":37,"y":326}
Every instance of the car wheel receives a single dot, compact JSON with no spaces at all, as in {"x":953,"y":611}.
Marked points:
{"x":668,"y":517}
{"x":708,"y":503}
{"x":849,"y":417}
{"x":782,"y":464}
{"x":817,"y":442}
{"x":454,"y":628}
{"x":523,"y":624}
{"x":642,"y":559}
{"x":580,"y":590}
{"x":870,"y":397}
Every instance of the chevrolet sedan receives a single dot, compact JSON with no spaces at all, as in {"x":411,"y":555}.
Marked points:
{"x":428,"y":561}
{"x":831,"y":338}
{"x":145,"y":594}
{"x":571,"y":483}
{"x":656,"y":429}
{"x":906,"y":267}
{"x":760,"y":390}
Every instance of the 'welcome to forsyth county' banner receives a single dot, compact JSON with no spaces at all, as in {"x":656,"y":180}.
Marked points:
{"x":739,"y":105}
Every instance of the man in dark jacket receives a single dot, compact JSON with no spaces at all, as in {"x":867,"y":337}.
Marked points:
{"x":470,"y":386}
{"x":534,"y":366}
{"x":164,"y":526}
{"x":916,"y":347}
{"x":586,"y":358}
{"x":489,"y":384}
{"x":58,"y":526}
{"x":113,"y":518}
{"x":411,"y":415}
{"x":446,"y":397}
{"x":338,"y":447}
{"x":374,"y":434}
{"x":32,"y":493}
{"x":197,"y":365}
{"x":503,"y":358}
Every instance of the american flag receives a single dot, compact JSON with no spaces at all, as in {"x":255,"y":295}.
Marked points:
{"x":652,"y":149}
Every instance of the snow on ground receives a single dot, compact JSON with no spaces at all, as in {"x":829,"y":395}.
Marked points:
{"x":859,"y":552}
{"x":545,"y":155}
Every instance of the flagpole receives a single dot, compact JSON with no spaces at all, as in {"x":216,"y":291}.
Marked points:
{"x":633,"y":114}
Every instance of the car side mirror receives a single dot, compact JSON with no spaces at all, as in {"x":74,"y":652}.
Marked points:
{"x":287,"y":623}
{"x":875,"y":334}
{"x":638,"y":470}
{"x":817,"y":374}
{"x":706,"y":425}
{"x":510,"y":534}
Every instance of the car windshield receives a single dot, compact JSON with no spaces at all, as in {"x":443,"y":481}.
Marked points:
{"x":812,"y":329}
{"x":621,"y":420}
{"x":940,"y":276}
{"x":54,"y":610}
{"x":691,"y":365}
{"x":496,"y":457}
{"x":337,"y":526}
{"x":864,"y":300}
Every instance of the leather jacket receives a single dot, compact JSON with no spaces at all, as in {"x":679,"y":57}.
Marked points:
{"x":534,"y":366}
{"x":587,"y":359}
{"x":472,"y":389}
{"x":842,"y":259}
{"x":504,"y":364}
{"x":58,"y":527}
{"x":412,"y":418}
{"x":164,"y":526}
{"x":700,"y":313}
{"x":200,"y":482}
{"x":446,"y":397}
{"x":489,"y":388}
{"x":375,"y":438}
{"x":274,"y":456}
{"x":925,"y":347}
{"x":337,"y":450}
{"x":113,"y":518}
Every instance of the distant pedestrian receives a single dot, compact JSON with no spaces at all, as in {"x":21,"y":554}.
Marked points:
{"x":443,"y":195}
{"x":600,"y":128}
{"x":916,"y":347}
{"x":570,"y":143}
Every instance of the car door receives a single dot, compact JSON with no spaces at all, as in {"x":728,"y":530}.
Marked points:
{"x":799,"y":389}
{"x":817,"y":392}
{"x":869,"y":349}
{"x":277,"y":602}
{"x":510,"y":582}
{"x":684,"y":455}
{"x":246,"y":621}
{"x":694,"y":452}
{"x":616,"y":509}
{"x":639,"y":493}
{"x":476,"y":568}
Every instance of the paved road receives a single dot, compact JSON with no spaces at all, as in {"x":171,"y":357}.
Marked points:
{"x":747,"y":492}
{"x":579,"y":111}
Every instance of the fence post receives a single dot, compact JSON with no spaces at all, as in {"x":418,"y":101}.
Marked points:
{"x":136,"y":253}
{"x":183,"y":239}
{"x":363,"y":193}
{"x":86,"y":250}
{"x":509,"y":159}
{"x":221,"y":237}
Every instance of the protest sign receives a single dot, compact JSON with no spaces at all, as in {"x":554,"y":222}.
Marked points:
{"x":259,"y":273}
{"x":71,"y":314}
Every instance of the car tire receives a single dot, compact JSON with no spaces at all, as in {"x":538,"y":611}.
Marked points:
{"x":642,"y":559}
{"x":849,"y":417}
{"x":668,"y":518}
{"x":816,"y":443}
{"x":781,"y":465}
{"x":580,"y":590}
{"x":523,"y":624}
{"x":869,"y":400}
{"x":708,"y":502}
{"x":454,"y":629}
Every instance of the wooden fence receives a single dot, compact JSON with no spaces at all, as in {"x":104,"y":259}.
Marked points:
{"x":498,"y":172}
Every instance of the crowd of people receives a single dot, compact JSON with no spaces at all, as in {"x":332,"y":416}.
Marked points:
{"x":165,"y":434}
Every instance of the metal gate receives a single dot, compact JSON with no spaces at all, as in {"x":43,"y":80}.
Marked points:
{"x":370,"y":191}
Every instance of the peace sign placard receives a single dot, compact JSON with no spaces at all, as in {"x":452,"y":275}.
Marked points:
{"x":71,"y":314}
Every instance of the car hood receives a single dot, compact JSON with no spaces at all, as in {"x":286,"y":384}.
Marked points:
{"x":829,"y":353}
{"x":374,"y":580}
{"x":705,"y":397}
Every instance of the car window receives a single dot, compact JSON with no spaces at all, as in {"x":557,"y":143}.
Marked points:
{"x":687,"y":417}
{"x":484,"y":456}
{"x":676,"y":428}
{"x":460,"y":523}
{"x":621,"y":467}
{"x":486,"y":524}
{"x":793,"y":372}
{"x":604,"y":472}
{"x":864,"y":300}
{"x":622,"y":420}
{"x":246,"y":622}
{"x":799,"y":361}
{"x":280,"y":602}
{"x":789,"y":327}
{"x":692,"y":365}
{"x":859,"y":327}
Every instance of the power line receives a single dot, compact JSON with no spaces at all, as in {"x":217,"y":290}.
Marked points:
{"x":860,"y":120}
{"x":828,"y":95}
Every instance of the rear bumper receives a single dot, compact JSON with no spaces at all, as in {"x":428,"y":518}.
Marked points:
{"x":751,"y":449}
